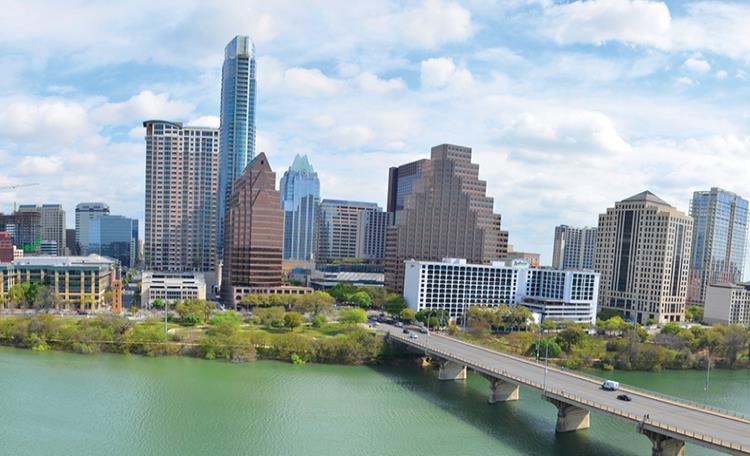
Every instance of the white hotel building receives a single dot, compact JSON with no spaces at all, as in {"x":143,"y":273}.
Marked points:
{"x":455,"y":286}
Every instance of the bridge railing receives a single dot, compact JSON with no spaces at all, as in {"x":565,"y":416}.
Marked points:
{"x":640,"y":391}
{"x":655,"y":424}
{"x":593,"y":405}
{"x":659,"y":395}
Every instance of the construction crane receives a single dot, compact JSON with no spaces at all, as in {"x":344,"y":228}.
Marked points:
{"x":13,"y":187}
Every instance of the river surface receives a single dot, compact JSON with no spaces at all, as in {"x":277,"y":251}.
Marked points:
{"x":57,"y":403}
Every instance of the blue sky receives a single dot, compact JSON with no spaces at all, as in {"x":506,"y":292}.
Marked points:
{"x":569,"y":106}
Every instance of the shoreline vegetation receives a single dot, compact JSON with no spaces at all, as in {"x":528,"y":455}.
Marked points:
{"x":310,"y":328}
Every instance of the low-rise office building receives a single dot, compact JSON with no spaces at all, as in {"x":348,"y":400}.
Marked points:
{"x":77,"y":282}
{"x":728,"y":304}
{"x":171,"y":287}
{"x":454,"y":285}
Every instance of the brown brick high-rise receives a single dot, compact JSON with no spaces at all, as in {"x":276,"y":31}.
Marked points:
{"x":253,"y":241}
{"x":447,"y":213}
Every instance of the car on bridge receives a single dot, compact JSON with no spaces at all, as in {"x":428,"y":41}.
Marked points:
{"x":610,"y":385}
{"x":624,"y":397}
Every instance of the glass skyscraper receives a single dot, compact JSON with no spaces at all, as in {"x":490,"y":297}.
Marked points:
{"x":719,"y":240}
{"x":300,"y":196}
{"x":237,"y":137}
{"x":114,"y":236}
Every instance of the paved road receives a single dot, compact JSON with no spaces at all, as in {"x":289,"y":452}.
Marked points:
{"x":732,"y":434}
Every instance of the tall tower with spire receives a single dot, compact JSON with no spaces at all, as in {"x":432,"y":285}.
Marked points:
{"x":237,"y":137}
{"x":300,"y":196}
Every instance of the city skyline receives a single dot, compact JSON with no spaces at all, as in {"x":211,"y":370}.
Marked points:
{"x":675,"y":108}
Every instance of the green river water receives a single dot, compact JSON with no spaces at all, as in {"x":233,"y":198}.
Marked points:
{"x":66,"y":404}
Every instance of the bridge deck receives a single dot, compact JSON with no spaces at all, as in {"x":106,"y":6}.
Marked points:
{"x":710,"y":428}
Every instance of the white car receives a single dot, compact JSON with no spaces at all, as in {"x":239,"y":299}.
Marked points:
{"x":610,"y":385}
{"x":413,"y":336}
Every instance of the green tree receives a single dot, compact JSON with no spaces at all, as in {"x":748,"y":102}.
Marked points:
{"x":433,"y":322}
{"x":44,"y":298}
{"x":352,"y":316}
{"x":395,"y":305}
{"x":157,"y":304}
{"x":569,"y":337}
{"x":316,"y":303}
{"x":319,"y":321}
{"x":378,"y":296}
{"x":17,"y":295}
{"x":360,"y":299}
{"x":342,"y":291}
{"x":671,"y":328}
{"x":544,"y":347}
{"x":694,"y":313}
{"x":407,"y":314}
{"x":270,"y":316}
{"x":549,"y":325}
{"x":293,"y":320}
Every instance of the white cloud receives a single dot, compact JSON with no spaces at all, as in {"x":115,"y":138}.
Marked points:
{"x":721,"y":75}
{"x":205,"y":121}
{"x":372,"y":83}
{"x":437,"y":72}
{"x":696,"y":64}
{"x":41,"y":120}
{"x":39,"y":165}
{"x":432,"y":23}
{"x":599,"y":21}
{"x":143,"y":106}
{"x":685,"y":81}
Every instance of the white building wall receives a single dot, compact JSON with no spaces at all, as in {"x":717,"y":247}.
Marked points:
{"x":454,"y":285}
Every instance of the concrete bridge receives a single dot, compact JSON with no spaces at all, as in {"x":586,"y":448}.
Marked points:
{"x":666,"y":421}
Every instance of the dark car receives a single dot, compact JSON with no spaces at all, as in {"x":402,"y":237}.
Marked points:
{"x":406,"y":330}
{"x":624,"y":397}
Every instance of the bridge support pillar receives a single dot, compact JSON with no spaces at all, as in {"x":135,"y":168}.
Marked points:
{"x":502,"y":391}
{"x":451,"y":371}
{"x":663,"y":445}
{"x":569,"y":417}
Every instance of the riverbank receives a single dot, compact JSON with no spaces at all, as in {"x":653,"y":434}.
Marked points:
{"x":224,"y":338}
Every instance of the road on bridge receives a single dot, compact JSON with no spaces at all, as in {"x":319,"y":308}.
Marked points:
{"x":663,"y":412}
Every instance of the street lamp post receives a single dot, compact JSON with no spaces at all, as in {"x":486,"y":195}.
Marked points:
{"x":546,"y":361}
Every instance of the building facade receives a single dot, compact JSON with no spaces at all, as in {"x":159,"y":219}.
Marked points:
{"x":643,"y":256}
{"x":25,"y":229}
{"x":371,"y":229}
{"x":300,"y":196}
{"x":447,"y":213}
{"x":254,"y":233}
{"x":401,"y":181}
{"x":532,"y":258}
{"x":574,"y":247}
{"x":338,"y":224}
{"x":182,"y":167}
{"x":237,"y":120}
{"x":171,"y":287}
{"x":77,"y":282}
{"x":728,"y":304}
{"x":7,"y":249}
{"x":85,"y":213}
{"x":51,"y":227}
{"x":719,"y":241}
{"x":114,"y":236}
{"x":455,"y":285}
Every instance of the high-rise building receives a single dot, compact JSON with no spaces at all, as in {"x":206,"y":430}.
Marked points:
{"x":643,"y":256}
{"x":446,"y":214}
{"x":85,"y":213}
{"x":7,"y":249}
{"x":574,"y":247}
{"x":182,"y":168}
{"x":254,"y":233}
{"x":114,"y":236}
{"x":71,"y":245}
{"x":552,"y":294}
{"x":371,"y":229}
{"x":719,"y":241}
{"x":237,"y":147}
{"x":401,"y":182}
{"x":51,"y":225}
{"x":300,"y":196}
{"x":25,"y":229}
{"x":338,"y":223}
